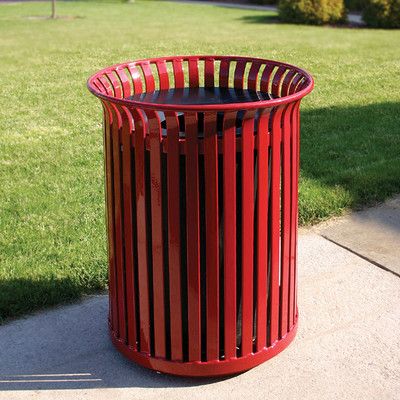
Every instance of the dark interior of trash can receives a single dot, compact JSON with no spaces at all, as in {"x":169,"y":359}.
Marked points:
{"x":200,"y":124}
{"x":202,"y":235}
{"x":201,"y":96}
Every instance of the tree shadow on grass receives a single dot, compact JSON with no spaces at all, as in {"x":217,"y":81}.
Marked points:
{"x":273,"y":18}
{"x":19,"y":296}
{"x":261,"y":19}
{"x":32,"y":294}
{"x":349,"y":158}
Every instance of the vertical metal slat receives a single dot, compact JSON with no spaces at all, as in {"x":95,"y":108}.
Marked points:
{"x":209,"y":72}
{"x":275,"y":223}
{"x":126,"y":134}
{"x":174,"y":232}
{"x":247,"y":230}
{"x":262,"y":228}
{"x":179,"y":78}
{"x":143,"y":276}
{"x":193,"y":234}
{"x":118,"y":215}
{"x":212,"y":234}
{"x":229,"y":196}
{"x":157,"y":233}
{"x":285,"y":229}
{"x":112,"y":277}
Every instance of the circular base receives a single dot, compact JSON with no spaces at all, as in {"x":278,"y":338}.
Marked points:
{"x":205,"y":368}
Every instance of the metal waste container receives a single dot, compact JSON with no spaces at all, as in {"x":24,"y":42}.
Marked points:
{"x":202,"y":166}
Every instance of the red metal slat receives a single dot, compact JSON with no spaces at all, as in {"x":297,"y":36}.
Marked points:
{"x":193,"y":234}
{"x":247,"y":230}
{"x":98,"y":85}
{"x":229,"y":182}
{"x":253,"y":76}
{"x":193,"y":72}
{"x":293,"y":212}
{"x":297,"y":87}
{"x":224,"y":74}
{"x":296,"y":205}
{"x":209,"y":72}
{"x":163,"y":75}
{"x":266,"y":77}
{"x":126,"y":86}
{"x":136,"y":79}
{"x":262,"y":229}
{"x":116,"y":84}
{"x":293,"y":84}
{"x":107,"y":85}
{"x":275,"y":222}
{"x":212,"y":234}
{"x":118,"y":216}
{"x":174,"y":241}
{"x":157,"y":233}
{"x":179,"y":78}
{"x":303,"y":84}
{"x":148,"y":77}
{"x":285,"y":229}
{"x":112,"y":277}
{"x":276,"y":82}
{"x":126,"y":136}
{"x":143,"y":284}
{"x":239,"y":74}
{"x":293,"y":189}
{"x":286,"y":82}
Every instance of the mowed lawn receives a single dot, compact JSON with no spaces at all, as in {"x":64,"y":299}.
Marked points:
{"x":52,"y":231}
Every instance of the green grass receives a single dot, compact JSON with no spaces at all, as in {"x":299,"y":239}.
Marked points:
{"x":52,"y":234}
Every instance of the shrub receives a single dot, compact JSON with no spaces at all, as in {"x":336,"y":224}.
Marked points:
{"x":382,"y":13}
{"x":312,"y":11}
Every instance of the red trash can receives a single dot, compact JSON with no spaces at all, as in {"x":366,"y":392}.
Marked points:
{"x":202,"y":166}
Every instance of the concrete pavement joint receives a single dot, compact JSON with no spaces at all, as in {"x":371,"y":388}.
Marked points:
{"x":361,"y":256}
{"x":372,"y":233}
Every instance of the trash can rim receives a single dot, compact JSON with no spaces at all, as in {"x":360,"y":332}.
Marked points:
{"x":201,"y":107}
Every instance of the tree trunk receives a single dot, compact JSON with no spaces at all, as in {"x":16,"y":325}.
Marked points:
{"x":53,"y":9}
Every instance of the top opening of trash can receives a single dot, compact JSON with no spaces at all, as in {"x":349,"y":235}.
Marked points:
{"x":201,"y":83}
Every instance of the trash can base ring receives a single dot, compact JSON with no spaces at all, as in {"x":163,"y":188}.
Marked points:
{"x":206,"y":368}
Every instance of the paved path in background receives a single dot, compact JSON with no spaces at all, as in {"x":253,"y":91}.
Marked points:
{"x":352,"y":17}
{"x":347,"y":347}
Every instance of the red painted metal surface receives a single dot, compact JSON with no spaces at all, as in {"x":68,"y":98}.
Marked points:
{"x":212,"y":235}
{"x":247,"y":223}
{"x":262,"y":171}
{"x":202,"y":209}
{"x":174,"y":235}
{"x":229,"y":226}
{"x":192,"y":238}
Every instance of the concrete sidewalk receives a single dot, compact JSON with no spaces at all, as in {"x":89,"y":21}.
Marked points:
{"x":353,"y":18}
{"x":347,"y":345}
{"x":373,"y":234}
